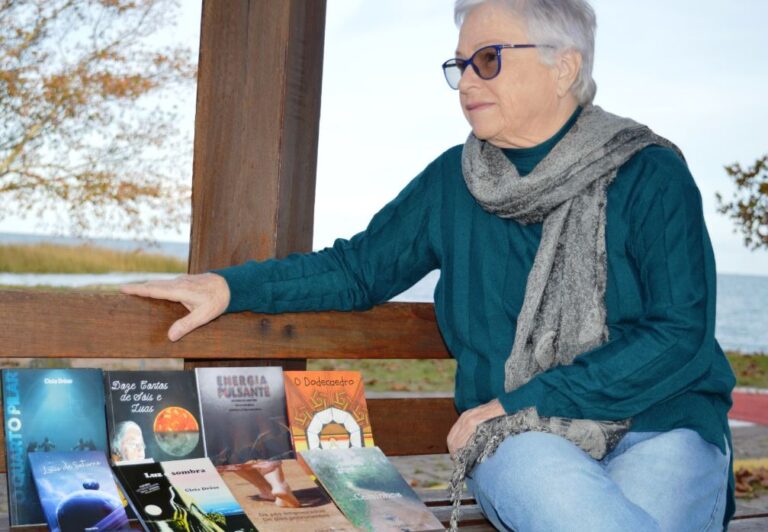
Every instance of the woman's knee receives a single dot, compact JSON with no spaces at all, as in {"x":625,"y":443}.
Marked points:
{"x":535,"y":464}
{"x":538,"y":481}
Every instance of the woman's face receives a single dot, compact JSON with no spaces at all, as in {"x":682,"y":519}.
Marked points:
{"x":132,"y":445}
{"x":516,"y":107}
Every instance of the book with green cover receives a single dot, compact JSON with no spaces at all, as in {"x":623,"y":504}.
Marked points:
{"x":369,"y":490}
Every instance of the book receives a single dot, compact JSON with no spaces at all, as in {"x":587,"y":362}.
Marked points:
{"x":327,"y":409}
{"x":181,"y":495}
{"x":47,"y":410}
{"x":77,"y":491}
{"x":303,"y":507}
{"x":200,"y":484}
{"x":243,"y":414}
{"x":369,"y":490}
{"x":153,"y":415}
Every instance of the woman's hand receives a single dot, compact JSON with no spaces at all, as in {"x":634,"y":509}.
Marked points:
{"x":465,"y":426}
{"x":205,"y":295}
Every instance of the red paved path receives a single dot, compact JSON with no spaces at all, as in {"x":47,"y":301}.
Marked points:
{"x":750,"y":407}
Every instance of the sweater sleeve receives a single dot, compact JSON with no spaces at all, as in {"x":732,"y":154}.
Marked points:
{"x":390,"y":255}
{"x":664,"y":352}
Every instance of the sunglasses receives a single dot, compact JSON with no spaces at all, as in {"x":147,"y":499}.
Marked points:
{"x":486,"y":62}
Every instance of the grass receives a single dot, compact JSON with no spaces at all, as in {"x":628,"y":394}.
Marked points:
{"x":437,"y":375}
{"x":751,"y":370}
{"x":396,"y":375}
{"x":53,"y":258}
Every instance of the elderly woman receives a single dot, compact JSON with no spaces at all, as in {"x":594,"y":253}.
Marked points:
{"x":577,"y":290}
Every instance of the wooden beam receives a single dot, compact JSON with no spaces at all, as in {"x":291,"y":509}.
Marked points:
{"x":256,"y":130}
{"x":91,"y":325}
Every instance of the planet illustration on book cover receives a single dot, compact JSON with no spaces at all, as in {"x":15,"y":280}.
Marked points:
{"x":177,"y":432}
{"x":89,"y":507}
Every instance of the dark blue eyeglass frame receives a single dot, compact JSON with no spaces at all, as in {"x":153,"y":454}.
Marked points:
{"x":454,"y":68}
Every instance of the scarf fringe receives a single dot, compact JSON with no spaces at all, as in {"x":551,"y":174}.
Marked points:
{"x":596,"y":438}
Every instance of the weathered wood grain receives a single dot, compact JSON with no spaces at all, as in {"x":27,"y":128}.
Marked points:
{"x":256,"y":130}
{"x":77,"y":324}
{"x":411,"y":426}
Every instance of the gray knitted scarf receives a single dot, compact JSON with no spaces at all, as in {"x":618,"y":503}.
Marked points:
{"x":563,"y":312}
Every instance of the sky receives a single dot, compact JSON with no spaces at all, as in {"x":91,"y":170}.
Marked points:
{"x":695,"y":71}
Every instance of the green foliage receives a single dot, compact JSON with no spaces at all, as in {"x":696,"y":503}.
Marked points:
{"x":52,"y":258}
{"x":748,"y":207}
{"x":217,"y":518}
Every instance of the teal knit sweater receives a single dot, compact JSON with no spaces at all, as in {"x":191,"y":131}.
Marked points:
{"x":661,"y":366}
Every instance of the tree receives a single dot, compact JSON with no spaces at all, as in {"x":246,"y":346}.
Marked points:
{"x":86,"y":135}
{"x":749,"y":204}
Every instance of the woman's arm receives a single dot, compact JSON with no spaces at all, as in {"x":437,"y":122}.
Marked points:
{"x":390,"y":255}
{"x":395,"y":251}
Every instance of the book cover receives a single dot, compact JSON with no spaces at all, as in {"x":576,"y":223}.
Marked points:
{"x":158,"y":505}
{"x":327,"y":410}
{"x":47,"y":410}
{"x":77,"y":491}
{"x":369,"y":490}
{"x":153,"y":415}
{"x":283,"y":499}
{"x":243,"y":414}
{"x":200,"y":485}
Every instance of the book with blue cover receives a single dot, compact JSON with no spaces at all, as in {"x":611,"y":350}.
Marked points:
{"x":244,"y":416}
{"x":48,"y":410}
{"x":77,"y":491}
{"x":153,"y":415}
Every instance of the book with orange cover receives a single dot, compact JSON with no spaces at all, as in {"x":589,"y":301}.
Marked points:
{"x":327,"y":410}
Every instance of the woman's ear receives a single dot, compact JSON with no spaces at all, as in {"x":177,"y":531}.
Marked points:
{"x":568,"y":65}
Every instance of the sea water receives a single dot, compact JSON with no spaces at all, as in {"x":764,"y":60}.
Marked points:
{"x":742,"y":300}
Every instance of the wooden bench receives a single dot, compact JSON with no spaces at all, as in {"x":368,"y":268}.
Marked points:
{"x":108,"y":325}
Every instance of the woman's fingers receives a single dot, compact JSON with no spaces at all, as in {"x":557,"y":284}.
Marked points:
{"x":205,"y":295}
{"x":468,"y":421}
{"x":171,"y":290}
{"x":188,"y":323}
{"x":457,"y":436}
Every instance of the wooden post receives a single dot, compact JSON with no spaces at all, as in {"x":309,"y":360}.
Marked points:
{"x":256,"y":130}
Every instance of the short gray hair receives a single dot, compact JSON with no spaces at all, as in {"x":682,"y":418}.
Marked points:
{"x":565,"y":24}
{"x":117,"y":438}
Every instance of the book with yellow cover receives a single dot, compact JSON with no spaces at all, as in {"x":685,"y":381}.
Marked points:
{"x":327,"y":410}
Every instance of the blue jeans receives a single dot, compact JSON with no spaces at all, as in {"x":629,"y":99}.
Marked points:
{"x":651,"y":481}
